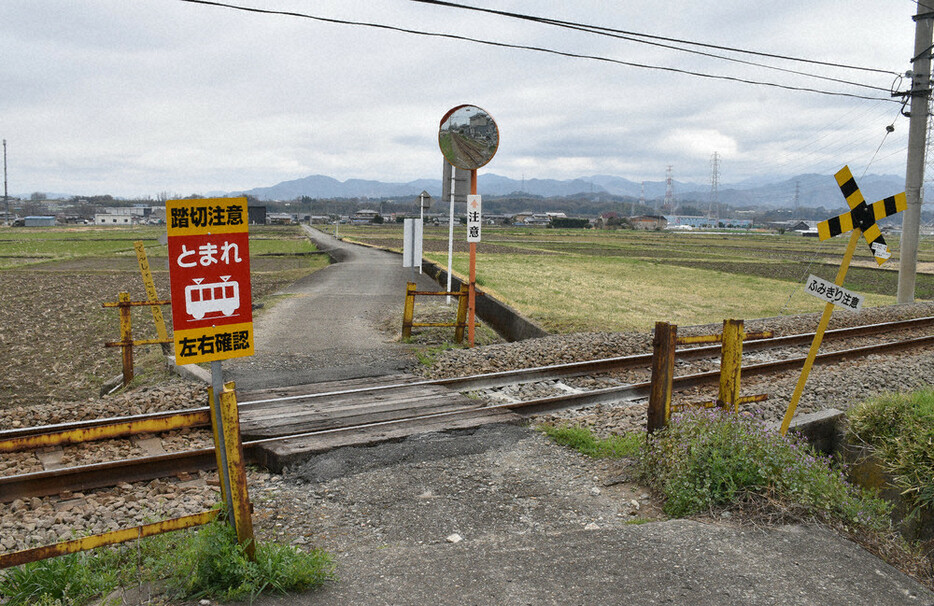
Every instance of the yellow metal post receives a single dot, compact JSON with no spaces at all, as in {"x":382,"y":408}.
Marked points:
{"x":408,"y":312}
{"x":126,"y":337}
{"x":663,"y":370}
{"x":461,"y":314}
{"x":731,"y":361}
{"x":239,"y":503}
{"x":218,"y":451}
{"x":819,"y":335}
{"x":151,"y":292}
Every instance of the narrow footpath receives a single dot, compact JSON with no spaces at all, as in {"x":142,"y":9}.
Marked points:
{"x":327,"y":327}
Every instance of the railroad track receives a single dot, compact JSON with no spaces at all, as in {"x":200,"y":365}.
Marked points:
{"x":331,"y":430}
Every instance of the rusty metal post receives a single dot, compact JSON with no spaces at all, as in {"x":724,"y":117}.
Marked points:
{"x":126,"y":336}
{"x":151,"y":294}
{"x":663,"y":370}
{"x":461,"y":314}
{"x":408,"y":312}
{"x":819,"y":334}
{"x":731,"y":361}
{"x":219,"y":445}
{"x":239,"y":503}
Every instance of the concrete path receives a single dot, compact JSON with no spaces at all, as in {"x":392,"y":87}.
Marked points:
{"x":328,"y":326}
{"x":680,"y":562}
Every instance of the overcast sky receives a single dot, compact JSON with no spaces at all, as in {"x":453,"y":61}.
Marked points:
{"x":140,"y":97}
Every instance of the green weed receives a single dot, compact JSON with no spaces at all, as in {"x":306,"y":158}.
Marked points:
{"x":900,"y":428}
{"x":708,"y":459}
{"x":583,"y":440}
{"x":207,"y":563}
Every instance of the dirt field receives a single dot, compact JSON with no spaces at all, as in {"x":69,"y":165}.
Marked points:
{"x":53,"y":326}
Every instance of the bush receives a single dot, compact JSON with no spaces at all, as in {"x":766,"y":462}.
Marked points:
{"x":707,"y":459}
{"x":214,"y":566}
{"x":70,"y":579}
{"x":207,"y":563}
{"x":900,"y":428}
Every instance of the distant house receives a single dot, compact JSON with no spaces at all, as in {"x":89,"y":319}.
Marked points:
{"x":113,"y":219}
{"x":649,"y":222}
{"x":280,"y":219}
{"x":37,"y":221}
{"x":364,"y":216}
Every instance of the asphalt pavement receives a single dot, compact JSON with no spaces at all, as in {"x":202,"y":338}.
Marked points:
{"x":330,"y":326}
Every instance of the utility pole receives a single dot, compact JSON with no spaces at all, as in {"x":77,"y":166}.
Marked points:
{"x":6,"y":197}
{"x":914,"y":173}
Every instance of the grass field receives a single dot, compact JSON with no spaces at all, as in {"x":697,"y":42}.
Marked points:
{"x":54,"y":280}
{"x":573,"y":280}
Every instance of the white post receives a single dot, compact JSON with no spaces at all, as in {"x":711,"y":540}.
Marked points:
{"x":451,"y":234}
{"x":421,"y":206}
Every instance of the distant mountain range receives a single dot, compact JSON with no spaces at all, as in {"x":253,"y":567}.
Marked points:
{"x":812,"y":190}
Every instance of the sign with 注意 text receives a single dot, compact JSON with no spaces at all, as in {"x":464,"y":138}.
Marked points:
{"x":828,"y":292}
{"x":473,"y":218}
{"x":209,"y":274}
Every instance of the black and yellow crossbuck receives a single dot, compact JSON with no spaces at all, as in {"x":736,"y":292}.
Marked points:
{"x":862,"y":215}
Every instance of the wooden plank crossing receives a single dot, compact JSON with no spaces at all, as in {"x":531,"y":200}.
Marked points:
{"x":343,"y":414}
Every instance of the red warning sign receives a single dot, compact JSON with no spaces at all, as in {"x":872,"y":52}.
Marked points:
{"x":209,"y":273}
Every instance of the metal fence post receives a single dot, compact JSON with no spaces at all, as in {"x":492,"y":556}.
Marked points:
{"x":239,"y":503}
{"x":461,"y":314}
{"x":126,"y":336}
{"x":731,"y":360}
{"x":408,"y":312}
{"x":663,"y":370}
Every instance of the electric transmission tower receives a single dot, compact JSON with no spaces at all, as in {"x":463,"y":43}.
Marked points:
{"x":713,"y":213}
{"x":797,"y":197}
{"x":669,"y":192}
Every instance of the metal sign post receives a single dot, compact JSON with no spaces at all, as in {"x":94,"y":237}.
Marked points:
{"x":468,"y":138}
{"x":212,"y":317}
{"x":473,"y":236}
{"x":412,"y":245}
{"x":424,"y":203}
{"x":861,"y":219}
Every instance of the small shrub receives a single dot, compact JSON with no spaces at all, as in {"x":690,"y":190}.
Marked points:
{"x":900,"y":427}
{"x":583,"y":440}
{"x":707,"y":459}
{"x":213,"y":565}
{"x":65,"y":580}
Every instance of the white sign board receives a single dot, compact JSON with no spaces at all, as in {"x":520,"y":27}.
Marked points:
{"x":473,"y":218}
{"x":412,"y":243}
{"x":831,"y":293}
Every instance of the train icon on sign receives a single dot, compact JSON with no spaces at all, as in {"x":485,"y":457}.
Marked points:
{"x":202,"y":299}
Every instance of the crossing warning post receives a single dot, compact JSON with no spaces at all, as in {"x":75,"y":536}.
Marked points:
{"x":861,"y":220}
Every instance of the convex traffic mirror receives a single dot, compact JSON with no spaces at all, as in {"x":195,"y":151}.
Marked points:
{"x":468,"y":137}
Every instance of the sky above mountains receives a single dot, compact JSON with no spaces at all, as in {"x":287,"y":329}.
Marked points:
{"x":144,"y":97}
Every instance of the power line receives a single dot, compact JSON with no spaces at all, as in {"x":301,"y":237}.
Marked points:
{"x":539,"y":49}
{"x":609,"y":30}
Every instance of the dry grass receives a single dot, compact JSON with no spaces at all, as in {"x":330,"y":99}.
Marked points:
{"x":52,"y":324}
{"x":566,"y":293}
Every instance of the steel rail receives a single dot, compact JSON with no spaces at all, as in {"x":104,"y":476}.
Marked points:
{"x":11,"y":437}
{"x":100,"y":475}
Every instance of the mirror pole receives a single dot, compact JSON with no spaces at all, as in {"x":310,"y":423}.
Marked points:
{"x":472,"y":288}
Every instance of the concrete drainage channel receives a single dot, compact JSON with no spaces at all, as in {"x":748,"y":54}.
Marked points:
{"x":506,"y":321}
{"x":826,"y":432}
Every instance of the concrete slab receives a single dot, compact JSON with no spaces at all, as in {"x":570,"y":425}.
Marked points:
{"x":674,"y":562}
